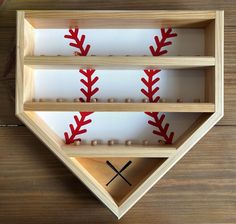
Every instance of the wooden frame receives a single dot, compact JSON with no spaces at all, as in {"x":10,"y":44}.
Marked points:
{"x":212,"y":110}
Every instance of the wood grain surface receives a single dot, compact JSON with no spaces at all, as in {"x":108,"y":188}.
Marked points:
{"x":35,"y":187}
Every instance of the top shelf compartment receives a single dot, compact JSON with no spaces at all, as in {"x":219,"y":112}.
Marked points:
{"x":120,"y":33}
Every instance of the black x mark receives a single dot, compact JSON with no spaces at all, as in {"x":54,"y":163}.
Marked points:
{"x":119,"y":172}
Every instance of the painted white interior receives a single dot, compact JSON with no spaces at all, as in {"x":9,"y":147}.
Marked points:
{"x":119,"y":84}
{"x":189,"y":42}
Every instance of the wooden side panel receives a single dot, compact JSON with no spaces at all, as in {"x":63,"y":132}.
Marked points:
{"x":20,"y":63}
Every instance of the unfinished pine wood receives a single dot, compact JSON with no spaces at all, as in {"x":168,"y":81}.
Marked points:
{"x":20,"y":63}
{"x":210,"y":85}
{"x":118,"y":62}
{"x":219,"y":66}
{"x":193,"y":128}
{"x":119,"y":151}
{"x":209,"y":41}
{"x":172,"y":191}
{"x":140,"y":169}
{"x":119,"y":205}
{"x":151,"y":107}
{"x":119,"y":19}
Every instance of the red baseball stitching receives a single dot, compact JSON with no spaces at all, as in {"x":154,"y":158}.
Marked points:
{"x":89,"y":82}
{"x":152,"y":90}
{"x":87,"y":91}
{"x":150,"y":82}
{"x":165,"y":34}
{"x":78,"y":42}
{"x":77,"y":130}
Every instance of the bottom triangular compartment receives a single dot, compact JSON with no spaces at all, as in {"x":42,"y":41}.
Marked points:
{"x":135,"y":172}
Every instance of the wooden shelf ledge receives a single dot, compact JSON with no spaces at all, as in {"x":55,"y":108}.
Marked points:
{"x":164,"y":151}
{"x":142,"y":107}
{"x":118,"y":62}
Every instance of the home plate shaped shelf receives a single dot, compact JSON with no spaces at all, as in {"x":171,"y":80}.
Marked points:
{"x":120,"y":96}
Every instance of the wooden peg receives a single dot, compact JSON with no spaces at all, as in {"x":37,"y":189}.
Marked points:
{"x":111,"y":100}
{"x":145,"y":100}
{"x":60,"y":100}
{"x":77,"y":143}
{"x":94,"y":142}
{"x":128,"y":100}
{"x":76,"y":53}
{"x":179,"y":100}
{"x":196,"y":100}
{"x":76,"y":100}
{"x":111,"y":142}
{"x":94,"y":100}
{"x":161,"y":142}
{"x":145,"y":142}
{"x":128,"y":142}
{"x":162,"y":100}
{"x":42,"y":100}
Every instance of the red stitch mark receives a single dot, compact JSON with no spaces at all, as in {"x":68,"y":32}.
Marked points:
{"x":77,"y":130}
{"x":150,"y":82}
{"x":89,"y":82}
{"x":162,"y":129}
{"x":78,"y":41}
{"x":152,"y":90}
{"x":163,"y":42}
{"x":87,"y":91}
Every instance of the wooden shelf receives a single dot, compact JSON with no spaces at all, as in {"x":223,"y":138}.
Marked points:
{"x":118,"y":62}
{"x":164,"y":151}
{"x":151,"y":107}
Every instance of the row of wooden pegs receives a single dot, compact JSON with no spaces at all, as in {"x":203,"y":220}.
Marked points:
{"x":112,"y":142}
{"x":112,"y":100}
{"x":76,"y":53}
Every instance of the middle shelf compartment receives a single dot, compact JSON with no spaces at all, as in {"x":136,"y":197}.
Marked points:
{"x":175,"y":90}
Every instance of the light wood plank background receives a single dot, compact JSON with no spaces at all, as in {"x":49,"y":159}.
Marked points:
{"x":37,"y":188}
